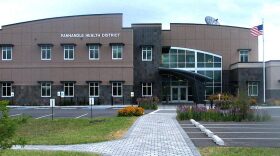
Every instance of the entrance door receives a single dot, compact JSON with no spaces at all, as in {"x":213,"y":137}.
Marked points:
{"x":179,"y":93}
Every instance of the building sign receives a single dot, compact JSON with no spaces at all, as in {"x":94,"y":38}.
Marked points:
{"x":90,"y":35}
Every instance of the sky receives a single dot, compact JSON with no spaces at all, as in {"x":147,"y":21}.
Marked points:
{"x":242,"y":13}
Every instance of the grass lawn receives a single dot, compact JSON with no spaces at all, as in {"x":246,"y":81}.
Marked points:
{"x":44,"y":153}
{"x":239,"y":151}
{"x":74,"y":131}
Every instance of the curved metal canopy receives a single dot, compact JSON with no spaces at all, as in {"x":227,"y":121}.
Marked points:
{"x":184,"y":73}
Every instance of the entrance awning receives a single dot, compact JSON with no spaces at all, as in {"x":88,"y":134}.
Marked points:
{"x":184,"y":73}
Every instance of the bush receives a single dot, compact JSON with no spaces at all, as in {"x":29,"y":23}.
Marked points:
{"x":8,"y":128}
{"x":148,"y":102}
{"x":185,"y":112}
{"x":131,"y":111}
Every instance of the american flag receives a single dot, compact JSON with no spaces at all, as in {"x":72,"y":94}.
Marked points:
{"x":257,"y":30}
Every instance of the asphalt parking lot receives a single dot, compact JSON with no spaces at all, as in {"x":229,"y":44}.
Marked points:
{"x":245,"y":134}
{"x":65,"y":112}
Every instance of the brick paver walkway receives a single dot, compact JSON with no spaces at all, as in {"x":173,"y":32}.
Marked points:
{"x":153,"y":134}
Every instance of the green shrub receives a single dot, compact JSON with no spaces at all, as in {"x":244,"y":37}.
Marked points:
{"x":8,"y":128}
{"x":148,"y":102}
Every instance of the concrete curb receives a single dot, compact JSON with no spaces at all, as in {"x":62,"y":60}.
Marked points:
{"x":209,"y":133}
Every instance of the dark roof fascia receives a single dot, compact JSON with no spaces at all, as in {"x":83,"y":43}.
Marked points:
{"x":93,"y":81}
{"x":146,"y":45}
{"x":109,"y":14}
{"x":112,"y":81}
{"x":65,"y":44}
{"x":45,"y":81}
{"x":89,"y":44}
{"x":67,"y":81}
{"x":112,"y":44}
{"x":45,"y":44}
{"x":6,"y":45}
{"x":244,"y":49}
{"x":6,"y":81}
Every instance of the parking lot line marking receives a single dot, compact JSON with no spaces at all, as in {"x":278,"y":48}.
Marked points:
{"x":15,"y":115}
{"x":41,"y":108}
{"x":247,"y":132}
{"x":201,"y":138}
{"x":189,"y":127}
{"x":67,"y":108}
{"x":240,"y":128}
{"x":239,"y":124}
{"x":81,"y":116}
{"x":43,"y":116}
{"x":251,"y":138}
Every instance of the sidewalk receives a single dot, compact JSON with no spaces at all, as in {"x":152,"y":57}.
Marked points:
{"x":157,"y":133}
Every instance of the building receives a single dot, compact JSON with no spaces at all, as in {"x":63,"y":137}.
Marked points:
{"x":76,"y":57}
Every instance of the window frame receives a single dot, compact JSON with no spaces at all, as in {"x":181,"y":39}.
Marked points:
{"x":46,"y":48}
{"x":6,"y":86}
{"x":68,"y":50}
{"x":116,"y":47}
{"x":147,"y":86}
{"x":94,"y":87}
{"x":243,"y":54}
{"x":44,"y":85}
{"x":90,"y":49}
{"x":145,"y":51}
{"x":118,"y":85}
{"x":251,"y":85}
{"x":5,"y":49}
{"x":69,"y":86}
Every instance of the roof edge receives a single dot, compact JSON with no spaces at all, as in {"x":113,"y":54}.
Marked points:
{"x":109,"y":14}
{"x":208,"y":25}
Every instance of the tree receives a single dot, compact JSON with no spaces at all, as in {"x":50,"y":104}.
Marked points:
{"x":8,"y":128}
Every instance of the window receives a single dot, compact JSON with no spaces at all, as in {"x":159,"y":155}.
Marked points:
{"x":45,"y":52}
{"x":117,"y":89}
{"x":244,"y":57}
{"x":94,"y":89}
{"x":253,"y":88}
{"x":146,"y":89}
{"x":6,"y":89}
{"x":7,"y":53}
{"x":117,"y":51}
{"x":45,"y":89}
{"x":147,"y":52}
{"x":93,"y":52}
{"x":69,"y":89}
{"x":68,"y":52}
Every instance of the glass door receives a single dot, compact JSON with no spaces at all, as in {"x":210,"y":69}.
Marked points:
{"x":174,"y":93}
{"x":183,"y":94}
{"x":179,"y":93}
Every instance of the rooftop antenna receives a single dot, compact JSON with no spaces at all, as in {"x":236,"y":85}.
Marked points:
{"x":211,"y":20}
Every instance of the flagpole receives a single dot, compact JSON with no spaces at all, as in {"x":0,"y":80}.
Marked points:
{"x":263,"y":64}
